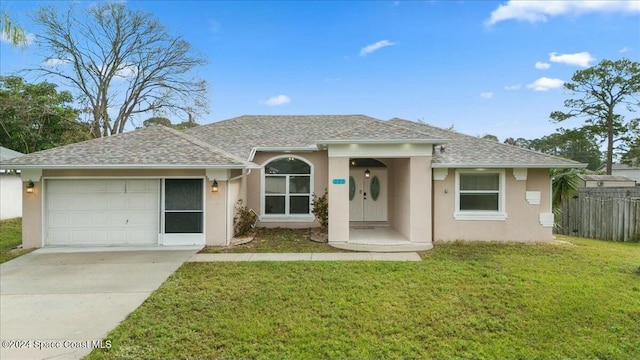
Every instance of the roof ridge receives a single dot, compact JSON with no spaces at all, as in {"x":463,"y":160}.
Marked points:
{"x":202,"y":144}
{"x":490,"y":141}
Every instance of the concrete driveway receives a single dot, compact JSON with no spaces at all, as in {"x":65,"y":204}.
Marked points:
{"x":59,"y":304}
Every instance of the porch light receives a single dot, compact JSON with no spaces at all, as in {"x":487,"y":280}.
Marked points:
{"x":30,"y":187}
{"x":367,"y":173}
{"x":214,"y":186}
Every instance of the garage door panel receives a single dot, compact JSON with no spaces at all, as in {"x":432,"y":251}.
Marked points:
{"x":141,"y":186}
{"x":102,"y":212}
{"x":143,"y":201}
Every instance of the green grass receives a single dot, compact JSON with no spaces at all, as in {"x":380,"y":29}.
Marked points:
{"x":10,"y":237}
{"x":277,"y":241}
{"x":465,"y":300}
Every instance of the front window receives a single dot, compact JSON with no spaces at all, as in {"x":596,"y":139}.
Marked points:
{"x":287,"y":187}
{"x":480,"y":195}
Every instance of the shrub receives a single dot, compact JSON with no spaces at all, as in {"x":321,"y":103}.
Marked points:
{"x":245,"y":219}
{"x":321,"y":209}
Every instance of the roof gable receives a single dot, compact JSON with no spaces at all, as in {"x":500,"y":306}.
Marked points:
{"x":242,"y":134}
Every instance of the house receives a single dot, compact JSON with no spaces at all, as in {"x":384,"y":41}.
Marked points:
{"x":10,"y":187}
{"x":589,"y":180}
{"x":393,"y":185}
{"x":632,"y":172}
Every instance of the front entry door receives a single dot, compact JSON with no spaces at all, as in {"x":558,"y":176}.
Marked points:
{"x":368,"y":195}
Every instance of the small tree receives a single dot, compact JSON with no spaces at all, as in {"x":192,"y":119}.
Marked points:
{"x":564,"y":184}
{"x":601,"y":91}
{"x":245,"y":219}
{"x":320,"y":209}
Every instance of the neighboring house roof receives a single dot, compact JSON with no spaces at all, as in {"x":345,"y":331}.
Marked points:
{"x":469,"y":151}
{"x":6,"y":154}
{"x":587,"y":177}
{"x":151,"y":147}
{"x":623,"y":167}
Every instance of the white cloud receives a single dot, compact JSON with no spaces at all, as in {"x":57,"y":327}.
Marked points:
{"x":541,"y":10}
{"x":127,"y":71}
{"x":513,"y":87}
{"x":55,"y":62}
{"x":580,"y":59}
{"x":545,"y":84}
{"x":625,"y":49}
{"x":373,"y":47}
{"x":277,"y":100}
{"x":486,"y":95}
{"x":542,"y":65}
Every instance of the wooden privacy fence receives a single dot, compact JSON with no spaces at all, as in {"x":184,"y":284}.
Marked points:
{"x":602,"y":213}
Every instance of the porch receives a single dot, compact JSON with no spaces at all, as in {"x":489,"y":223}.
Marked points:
{"x":380,"y":197}
{"x":378,"y":237}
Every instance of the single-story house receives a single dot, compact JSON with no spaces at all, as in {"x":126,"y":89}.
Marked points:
{"x":396,"y":184}
{"x":592,"y":180}
{"x":632,"y":172}
{"x":10,"y":187}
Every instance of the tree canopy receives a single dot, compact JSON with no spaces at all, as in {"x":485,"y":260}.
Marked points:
{"x":36,"y":117}
{"x":577,"y":145}
{"x":600,"y":94}
{"x":121,"y":62}
{"x":159,"y":120}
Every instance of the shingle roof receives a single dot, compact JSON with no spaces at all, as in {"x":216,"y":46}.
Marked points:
{"x":154,"y":146}
{"x":588,"y":177}
{"x":6,"y":154}
{"x":241,"y":134}
{"x":159,"y":146}
{"x":469,"y":151}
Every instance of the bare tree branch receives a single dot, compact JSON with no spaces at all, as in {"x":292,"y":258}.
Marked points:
{"x":121,"y":62}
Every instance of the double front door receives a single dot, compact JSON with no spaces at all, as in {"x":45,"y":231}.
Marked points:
{"x":368,"y":194}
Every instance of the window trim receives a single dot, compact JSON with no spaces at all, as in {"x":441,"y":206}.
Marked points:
{"x":286,"y":216}
{"x":499,"y":215}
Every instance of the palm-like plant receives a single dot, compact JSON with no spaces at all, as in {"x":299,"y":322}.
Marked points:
{"x":564,"y":184}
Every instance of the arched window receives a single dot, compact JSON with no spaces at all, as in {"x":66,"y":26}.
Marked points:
{"x":287,"y":187}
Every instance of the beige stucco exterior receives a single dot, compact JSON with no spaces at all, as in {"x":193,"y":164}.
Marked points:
{"x":218,"y":215}
{"x":421,"y":203}
{"x":523,"y":218}
{"x":253,"y":184}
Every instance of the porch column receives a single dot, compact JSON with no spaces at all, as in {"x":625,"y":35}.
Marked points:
{"x":421,"y":198}
{"x":338,"y":199}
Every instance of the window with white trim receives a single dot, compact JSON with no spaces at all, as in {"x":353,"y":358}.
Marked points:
{"x":480,"y":195}
{"x":287,"y":187}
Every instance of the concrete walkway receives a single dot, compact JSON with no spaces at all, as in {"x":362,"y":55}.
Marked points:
{"x":60,"y":303}
{"x":355,"y":256}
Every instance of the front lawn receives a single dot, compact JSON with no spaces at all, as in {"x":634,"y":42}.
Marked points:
{"x":10,"y":238}
{"x":277,"y":241}
{"x":465,"y":300}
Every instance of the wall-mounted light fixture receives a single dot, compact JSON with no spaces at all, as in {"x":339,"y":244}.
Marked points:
{"x":30,"y":187}
{"x":353,"y":163}
{"x":291,"y":158}
{"x":367,"y":173}
{"x":214,"y":186}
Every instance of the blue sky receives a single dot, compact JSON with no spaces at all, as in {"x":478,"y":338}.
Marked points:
{"x":492,"y":67}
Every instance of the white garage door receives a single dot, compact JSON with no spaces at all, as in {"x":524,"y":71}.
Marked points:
{"x":102,"y":212}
